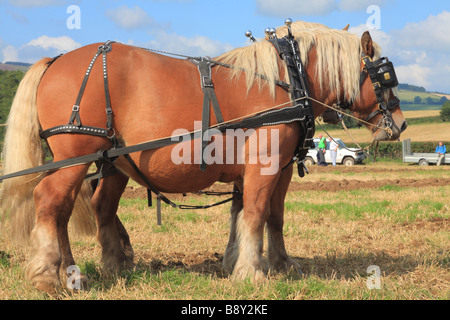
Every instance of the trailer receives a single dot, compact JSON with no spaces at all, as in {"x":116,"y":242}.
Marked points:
{"x":423,"y":159}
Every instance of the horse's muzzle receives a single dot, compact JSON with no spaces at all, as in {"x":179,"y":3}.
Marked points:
{"x":391,"y":131}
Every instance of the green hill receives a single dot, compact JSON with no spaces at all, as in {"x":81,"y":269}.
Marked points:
{"x":427,"y":101}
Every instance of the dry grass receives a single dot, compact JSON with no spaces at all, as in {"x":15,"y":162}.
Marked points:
{"x":335,"y":236}
{"x":419,"y":132}
{"x":421,"y":113}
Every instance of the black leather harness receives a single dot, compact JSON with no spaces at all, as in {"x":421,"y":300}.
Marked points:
{"x":287,"y":48}
{"x":74,"y":125}
{"x":381,"y":73}
{"x":209,"y":99}
{"x":301,"y":112}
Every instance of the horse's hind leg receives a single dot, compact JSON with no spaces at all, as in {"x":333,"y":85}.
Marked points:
{"x":277,"y":255}
{"x":51,"y":255}
{"x":117,"y":252}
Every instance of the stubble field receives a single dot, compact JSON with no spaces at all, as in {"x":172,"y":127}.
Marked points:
{"x":339,"y":221}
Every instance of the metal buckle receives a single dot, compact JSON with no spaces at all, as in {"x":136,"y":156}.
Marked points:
{"x":75,"y":108}
{"x":382,"y":106}
{"x":207,"y":81}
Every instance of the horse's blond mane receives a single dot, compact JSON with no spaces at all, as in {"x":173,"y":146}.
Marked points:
{"x":338,"y":58}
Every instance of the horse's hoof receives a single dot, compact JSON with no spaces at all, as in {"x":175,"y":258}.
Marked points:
{"x":49,"y":287}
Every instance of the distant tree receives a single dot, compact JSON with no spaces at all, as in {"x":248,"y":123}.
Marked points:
{"x":429,"y":100}
{"x":443,"y":100}
{"x":417,"y":100}
{"x":445,"y":111}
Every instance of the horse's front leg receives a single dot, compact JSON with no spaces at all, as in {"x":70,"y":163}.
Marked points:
{"x":277,"y":255}
{"x":250,"y":227}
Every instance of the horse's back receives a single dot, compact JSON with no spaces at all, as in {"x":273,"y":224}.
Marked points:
{"x":145,"y":90}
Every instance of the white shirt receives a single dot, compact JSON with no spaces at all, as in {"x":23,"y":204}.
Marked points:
{"x":333,"y":145}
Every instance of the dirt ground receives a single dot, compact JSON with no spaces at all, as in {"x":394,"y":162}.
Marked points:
{"x":329,"y":185}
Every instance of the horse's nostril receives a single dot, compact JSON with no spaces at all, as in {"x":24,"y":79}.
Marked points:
{"x":404,"y":126}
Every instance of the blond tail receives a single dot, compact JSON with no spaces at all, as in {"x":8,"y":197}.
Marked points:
{"x":23,"y":150}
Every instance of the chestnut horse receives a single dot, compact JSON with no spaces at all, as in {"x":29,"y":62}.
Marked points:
{"x":151,"y":96}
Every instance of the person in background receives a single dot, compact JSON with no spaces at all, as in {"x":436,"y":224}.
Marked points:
{"x":333,"y":151}
{"x":322,"y":149}
{"x":440,"y":150}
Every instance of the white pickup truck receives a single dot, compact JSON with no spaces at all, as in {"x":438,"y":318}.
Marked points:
{"x":346,"y":156}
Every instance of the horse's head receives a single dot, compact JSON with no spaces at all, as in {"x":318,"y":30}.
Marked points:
{"x":377,"y":105}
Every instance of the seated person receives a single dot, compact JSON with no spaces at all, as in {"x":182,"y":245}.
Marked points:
{"x":440,"y":150}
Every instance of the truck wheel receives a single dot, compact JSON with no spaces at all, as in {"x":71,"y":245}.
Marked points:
{"x":309,"y":161}
{"x":423,"y":162}
{"x":348,"y":161}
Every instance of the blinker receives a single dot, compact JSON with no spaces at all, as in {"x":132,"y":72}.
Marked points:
{"x":385,"y":73}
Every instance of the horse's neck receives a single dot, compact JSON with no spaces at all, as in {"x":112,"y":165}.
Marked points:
{"x":236,"y":100}
{"x":321,"y":93}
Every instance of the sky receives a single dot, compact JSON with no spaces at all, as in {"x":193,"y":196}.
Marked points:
{"x":414,"y":34}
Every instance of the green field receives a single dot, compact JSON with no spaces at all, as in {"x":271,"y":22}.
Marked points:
{"x":417,"y":107}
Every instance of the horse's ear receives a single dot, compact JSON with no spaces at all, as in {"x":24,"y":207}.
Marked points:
{"x":346,"y":27}
{"x":367,"y":44}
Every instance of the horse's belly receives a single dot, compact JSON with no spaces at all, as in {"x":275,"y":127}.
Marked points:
{"x":165,"y":171}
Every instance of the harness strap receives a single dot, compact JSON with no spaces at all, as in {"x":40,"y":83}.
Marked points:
{"x":74,"y":125}
{"x":105,"y":48}
{"x":72,"y":128}
{"x":209,"y":100}
{"x":282,"y":115}
{"x":370,"y":70}
{"x":392,"y":103}
{"x":288,"y":50}
{"x":75,"y":116}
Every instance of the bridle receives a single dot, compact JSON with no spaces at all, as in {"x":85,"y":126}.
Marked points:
{"x":382,"y":75}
